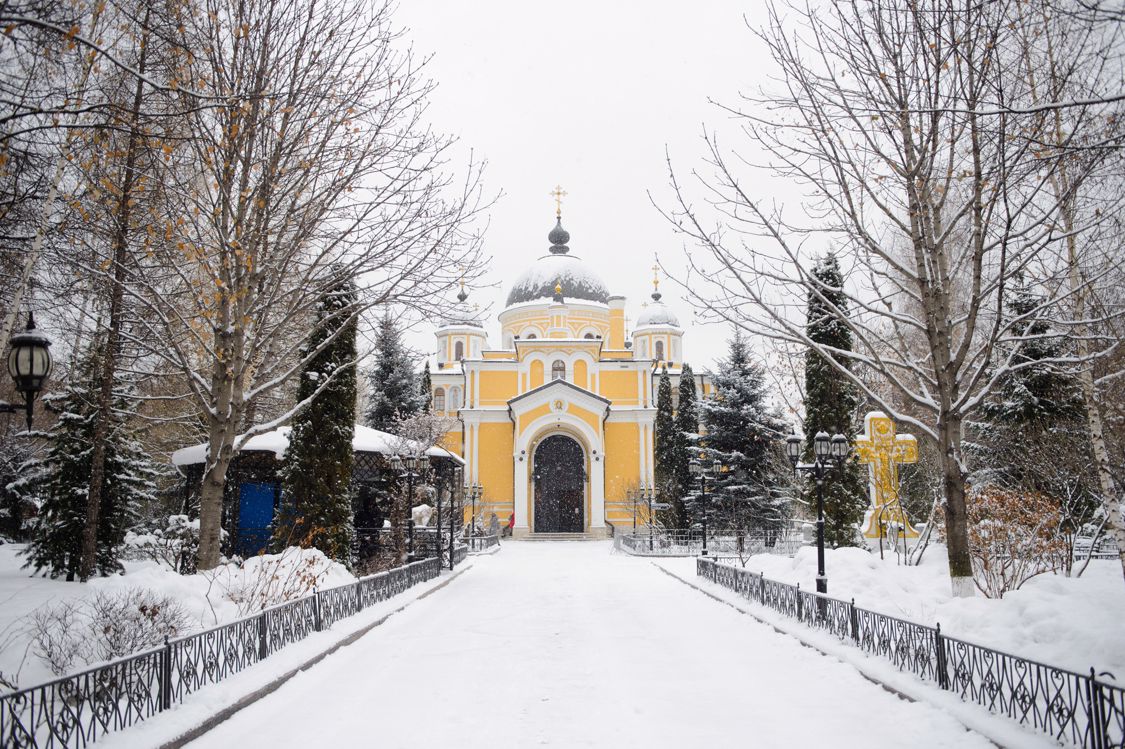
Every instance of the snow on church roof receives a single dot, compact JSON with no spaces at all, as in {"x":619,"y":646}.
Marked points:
{"x":366,"y":440}
{"x":558,"y":268}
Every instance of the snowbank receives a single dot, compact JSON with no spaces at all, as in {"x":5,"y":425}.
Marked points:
{"x":211,"y":598}
{"x":1073,"y":623}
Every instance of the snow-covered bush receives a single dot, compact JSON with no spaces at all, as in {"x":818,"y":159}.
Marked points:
{"x":1013,"y":536}
{"x":73,"y":634}
{"x":175,"y":545}
{"x":269,"y":579}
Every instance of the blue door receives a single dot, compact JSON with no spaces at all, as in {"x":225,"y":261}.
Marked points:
{"x":255,"y":513}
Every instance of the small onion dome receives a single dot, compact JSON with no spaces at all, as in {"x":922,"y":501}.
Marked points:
{"x":657,"y":314}
{"x":461,"y":315}
{"x":558,"y":239}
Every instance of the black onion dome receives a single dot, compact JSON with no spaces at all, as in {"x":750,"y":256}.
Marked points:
{"x":558,"y":238}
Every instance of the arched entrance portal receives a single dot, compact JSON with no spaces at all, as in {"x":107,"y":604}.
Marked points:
{"x":560,"y":477}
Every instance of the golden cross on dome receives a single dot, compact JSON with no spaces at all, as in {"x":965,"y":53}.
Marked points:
{"x":558,"y":194}
{"x":656,"y":276}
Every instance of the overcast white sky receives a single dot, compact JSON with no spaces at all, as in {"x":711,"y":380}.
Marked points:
{"x":587,"y":95}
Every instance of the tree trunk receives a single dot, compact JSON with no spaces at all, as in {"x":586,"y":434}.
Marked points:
{"x":103,"y":413}
{"x":956,"y":511}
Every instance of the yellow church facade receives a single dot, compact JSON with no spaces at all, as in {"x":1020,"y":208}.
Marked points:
{"x":556,"y":423}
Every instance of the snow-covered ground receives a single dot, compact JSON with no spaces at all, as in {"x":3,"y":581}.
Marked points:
{"x":206,"y":599}
{"x":1074,"y":623}
{"x":565,"y":644}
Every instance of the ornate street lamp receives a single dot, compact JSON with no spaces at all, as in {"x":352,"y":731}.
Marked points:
{"x":704,"y":469}
{"x":29,"y":363}
{"x":409,"y":468}
{"x":828,"y":452}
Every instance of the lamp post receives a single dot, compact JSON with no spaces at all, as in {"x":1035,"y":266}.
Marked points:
{"x":704,"y":468}
{"x":409,"y":468}
{"x":828,"y":452}
{"x":648,"y":492}
{"x":29,"y":363}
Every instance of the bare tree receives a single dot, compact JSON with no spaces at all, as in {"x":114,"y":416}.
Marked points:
{"x":318,"y":168}
{"x":936,"y":207}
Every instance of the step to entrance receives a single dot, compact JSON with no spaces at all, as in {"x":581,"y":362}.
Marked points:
{"x":560,"y":537}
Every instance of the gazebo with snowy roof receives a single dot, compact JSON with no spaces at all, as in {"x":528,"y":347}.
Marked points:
{"x":253,"y":487}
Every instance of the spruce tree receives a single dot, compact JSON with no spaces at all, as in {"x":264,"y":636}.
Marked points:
{"x":426,"y":389}
{"x":687,"y":435}
{"x":831,"y":402}
{"x":393,"y":387}
{"x":665,"y":445}
{"x":316,"y":505}
{"x":61,"y":480}
{"x":745,"y":434}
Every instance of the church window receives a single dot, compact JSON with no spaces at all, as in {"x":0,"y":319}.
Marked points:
{"x":589,"y":336}
{"x":530,"y":336}
{"x":558,"y":370}
{"x":458,"y":351}
{"x":439,"y":399}
{"x":660,"y":350}
{"x":454,"y":398}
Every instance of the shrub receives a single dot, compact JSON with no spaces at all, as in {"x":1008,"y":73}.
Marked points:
{"x":1013,"y":536}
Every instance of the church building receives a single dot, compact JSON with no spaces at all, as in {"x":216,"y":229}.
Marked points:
{"x":556,"y":423}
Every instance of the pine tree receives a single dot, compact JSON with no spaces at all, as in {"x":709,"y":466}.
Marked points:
{"x":316,"y":508}
{"x":393,"y":387}
{"x":745,"y":434}
{"x":831,"y":402}
{"x":665,"y":445}
{"x":426,"y":389}
{"x":61,"y":479}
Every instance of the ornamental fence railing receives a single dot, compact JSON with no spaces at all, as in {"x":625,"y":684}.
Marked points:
{"x":665,"y":543}
{"x":75,"y":710}
{"x":419,"y":543}
{"x":1068,"y":706}
{"x":481,"y":543}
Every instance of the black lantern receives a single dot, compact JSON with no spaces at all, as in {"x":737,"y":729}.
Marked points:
{"x":793,"y":448}
{"x":396,"y":462}
{"x":828,"y":451}
{"x":29,"y":363}
{"x":839,"y":448}
{"x":822,"y":445}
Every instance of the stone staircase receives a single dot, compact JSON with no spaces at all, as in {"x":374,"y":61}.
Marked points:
{"x":561,"y":537}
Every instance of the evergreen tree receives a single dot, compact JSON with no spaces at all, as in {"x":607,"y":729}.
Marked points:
{"x":665,"y":445}
{"x":745,"y":434}
{"x":426,"y":389}
{"x":1033,"y":422}
{"x":61,"y":479}
{"x":831,"y":402}
{"x":687,"y":435}
{"x":392,"y":384}
{"x":316,"y":507}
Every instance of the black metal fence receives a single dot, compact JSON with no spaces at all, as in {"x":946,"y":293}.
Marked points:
{"x":482,"y":543}
{"x":688,"y":543}
{"x":75,"y":710}
{"x":1069,"y":706}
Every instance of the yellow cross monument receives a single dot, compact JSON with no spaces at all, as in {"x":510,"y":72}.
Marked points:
{"x":883,"y":450}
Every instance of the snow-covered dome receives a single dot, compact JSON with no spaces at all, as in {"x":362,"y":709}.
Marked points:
{"x":558,"y":268}
{"x":657,"y":313}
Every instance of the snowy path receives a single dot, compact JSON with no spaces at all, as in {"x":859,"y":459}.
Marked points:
{"x":564,"y":644}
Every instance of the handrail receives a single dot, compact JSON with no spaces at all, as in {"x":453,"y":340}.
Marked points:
{"x":1061,"y":703}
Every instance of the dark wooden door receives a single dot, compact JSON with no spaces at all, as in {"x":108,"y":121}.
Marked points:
{"x":560,"y":477}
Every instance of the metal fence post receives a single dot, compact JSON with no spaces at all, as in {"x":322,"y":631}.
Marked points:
{"x":166,"y":675}
{"x":263,"y":636}
{"x":940,"y":659}
{"x":316,"y":610}
{"x":1095,"y":715}
{"x":853,"y":617}
{"x":800,"y":604}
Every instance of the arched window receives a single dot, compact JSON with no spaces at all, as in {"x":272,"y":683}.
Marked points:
{"x":660,"y":350}
{"x":558,"y":370}
{"x":439,"y":399}
{"x":458,"y":351}
{"x":530,"y":336}
{"x":589,"y":336}
{"x":454,"y":398}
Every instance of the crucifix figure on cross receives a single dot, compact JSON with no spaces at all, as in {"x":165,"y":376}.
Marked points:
{"x":883,"y":451}
{"x":558,"y":194}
